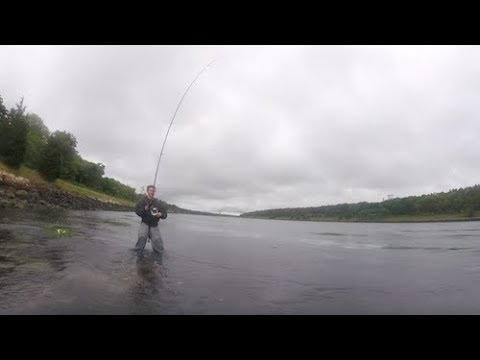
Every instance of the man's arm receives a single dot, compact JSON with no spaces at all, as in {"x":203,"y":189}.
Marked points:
{"x":164,"y":213}
{"x":162,"y":210}
{"x":140,"y":208}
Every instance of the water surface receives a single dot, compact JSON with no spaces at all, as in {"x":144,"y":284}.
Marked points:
{"x":222,"y":265}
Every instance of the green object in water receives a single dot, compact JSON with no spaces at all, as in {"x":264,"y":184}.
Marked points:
{"x":58,"y":231}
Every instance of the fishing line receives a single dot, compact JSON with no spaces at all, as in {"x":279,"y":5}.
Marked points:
{"x":173,"y":118}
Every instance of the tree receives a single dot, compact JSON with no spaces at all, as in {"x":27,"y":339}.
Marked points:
{"x":13,"y":138}
{"x":86,"y":173}
{"x":3,"y":127}
{"x":115,"y":188}
{"x":3,"y":111}
{"x":37,"y":137}
{"x":58,"y":155}
{"x":93,"y":174}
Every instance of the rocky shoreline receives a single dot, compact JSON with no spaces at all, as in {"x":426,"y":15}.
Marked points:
{"x":20,"y":193}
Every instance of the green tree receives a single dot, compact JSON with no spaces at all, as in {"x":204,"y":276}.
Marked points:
{"x":58,"y":155}
{"x":93,"y":173}
{"x":37,"y":137}
{"x":115,"y":188}
{"x":3,"y":111}
{"x":86,"y":173}
{"x":13,"y":139}
{"x":3,"y":127}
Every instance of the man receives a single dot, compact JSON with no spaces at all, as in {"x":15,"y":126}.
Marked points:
{"x":151,"y":211}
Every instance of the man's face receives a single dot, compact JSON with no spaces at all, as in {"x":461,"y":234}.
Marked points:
{"x":151,"y":192}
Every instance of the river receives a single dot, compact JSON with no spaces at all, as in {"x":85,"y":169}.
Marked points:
{"x":229,"y":265}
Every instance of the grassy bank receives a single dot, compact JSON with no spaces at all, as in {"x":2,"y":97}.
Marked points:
{"x":83,"y":191}
{"x":36,"y":179}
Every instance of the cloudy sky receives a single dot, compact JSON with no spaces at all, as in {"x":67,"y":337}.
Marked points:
{"x":264,"y":126}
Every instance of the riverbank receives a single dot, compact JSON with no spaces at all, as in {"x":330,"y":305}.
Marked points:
{"x":393,"y":219}
{"x":23,"y":193}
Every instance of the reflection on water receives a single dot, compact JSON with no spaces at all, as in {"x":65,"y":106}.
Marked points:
{"x":149,"y":283}
{"x":214,"y":265}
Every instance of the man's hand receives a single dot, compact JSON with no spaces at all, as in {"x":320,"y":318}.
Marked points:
{"x":158,"y":214}
{"x":147,"y":207}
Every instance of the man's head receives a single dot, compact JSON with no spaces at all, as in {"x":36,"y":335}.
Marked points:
{"x":150,"y":191}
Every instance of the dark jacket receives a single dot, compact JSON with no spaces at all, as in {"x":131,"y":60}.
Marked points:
{"x":146,"y":215}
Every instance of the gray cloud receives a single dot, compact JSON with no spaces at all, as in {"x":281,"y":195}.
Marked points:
{"x":265,"y":126}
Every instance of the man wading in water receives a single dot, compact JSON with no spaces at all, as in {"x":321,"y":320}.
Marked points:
{"x":151,"y":211}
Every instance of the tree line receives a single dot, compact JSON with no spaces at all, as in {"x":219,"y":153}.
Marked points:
{"x":25,"y":140}
{"x":462,"y":201}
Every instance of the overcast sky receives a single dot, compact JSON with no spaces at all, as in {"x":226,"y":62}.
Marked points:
{"x":264,"y":126}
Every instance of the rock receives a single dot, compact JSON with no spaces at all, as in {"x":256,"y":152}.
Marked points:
{"x":22,"y":180}
{"x":10,"y":195}
{"x":34,"y":195}
{"x":19,"y":205}
{"x":21,"y":194}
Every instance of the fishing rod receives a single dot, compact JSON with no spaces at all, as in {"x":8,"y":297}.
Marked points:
{"x":173,"y":118}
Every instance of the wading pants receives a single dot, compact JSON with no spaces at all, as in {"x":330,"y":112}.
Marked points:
{"x":145,"y":232}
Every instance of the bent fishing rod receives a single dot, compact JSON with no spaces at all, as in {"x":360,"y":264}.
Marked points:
{"x":173,"y":118}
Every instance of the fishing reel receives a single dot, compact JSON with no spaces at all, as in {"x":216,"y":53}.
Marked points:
{"x":154,"y":211}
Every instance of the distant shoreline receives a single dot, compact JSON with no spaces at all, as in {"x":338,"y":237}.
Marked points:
{"x":400,"y":221}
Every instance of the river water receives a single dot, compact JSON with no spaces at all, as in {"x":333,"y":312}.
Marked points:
{"x":228,"y":265}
